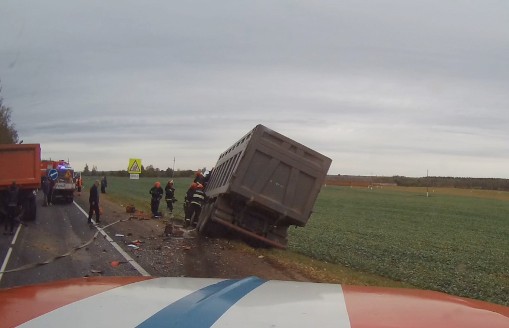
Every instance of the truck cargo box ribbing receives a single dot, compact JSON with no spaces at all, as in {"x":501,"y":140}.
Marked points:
{"x":265,"y":182}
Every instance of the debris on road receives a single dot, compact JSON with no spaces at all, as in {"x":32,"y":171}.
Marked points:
{"x":117,"y":263}
{"x":136,"y":242}
{"x":139,"y":215}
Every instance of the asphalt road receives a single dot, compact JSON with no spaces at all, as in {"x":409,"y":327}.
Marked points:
{"x":58,"y":229}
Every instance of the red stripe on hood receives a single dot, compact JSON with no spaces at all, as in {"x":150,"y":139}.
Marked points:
{"x":21,"y":304}
{"x":392,"y":307}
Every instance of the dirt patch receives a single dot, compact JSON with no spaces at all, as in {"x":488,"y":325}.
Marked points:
{"x":186,"y":254}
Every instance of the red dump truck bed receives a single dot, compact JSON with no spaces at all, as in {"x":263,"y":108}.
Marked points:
{"x":20,"y":163}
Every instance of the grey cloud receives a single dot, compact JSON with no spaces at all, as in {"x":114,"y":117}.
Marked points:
{"x":382,"y":80}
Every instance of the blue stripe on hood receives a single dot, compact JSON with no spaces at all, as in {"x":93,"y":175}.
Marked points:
{"x":203,"y":307}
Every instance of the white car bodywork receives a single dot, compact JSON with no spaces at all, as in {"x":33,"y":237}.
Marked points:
{"x":249,"y":302}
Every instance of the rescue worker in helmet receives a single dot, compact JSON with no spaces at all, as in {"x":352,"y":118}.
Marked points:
{"x":199,"y":178}
{"x":187,"y":199}
{"x":157,"y":193}
{"x":195,"y":204}
{"x":169,"y":195}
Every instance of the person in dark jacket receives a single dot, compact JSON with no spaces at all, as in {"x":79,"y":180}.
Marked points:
{"x":45,"y":190}
{"x":195,"y":204}
{"x":12,"y":208}
{"x":79,"y":184}
{"x":104,"y":184}
{"x":50,"y":191}
{"x":187,"y":199}
{"x":94,"y":202}
{"x":169,"y":195}
{"x":157,"y":193}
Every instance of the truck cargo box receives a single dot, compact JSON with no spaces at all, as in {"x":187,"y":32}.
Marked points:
{"x":20,"y":163}
{"x":264,"y":183}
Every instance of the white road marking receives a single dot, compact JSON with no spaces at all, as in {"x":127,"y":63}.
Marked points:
{"x":126,"y":256}
{"x":9,"y":252}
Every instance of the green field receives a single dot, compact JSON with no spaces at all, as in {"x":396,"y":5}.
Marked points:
{"x":452,"y":241}
{"x":455,"y":241}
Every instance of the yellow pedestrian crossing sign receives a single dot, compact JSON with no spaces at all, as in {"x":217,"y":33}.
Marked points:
{"x":134,"y":166}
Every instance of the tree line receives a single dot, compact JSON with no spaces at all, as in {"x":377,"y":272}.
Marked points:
{"x":150,"y":171}
{"x":454,"y":182}
{"x":432,"y":182}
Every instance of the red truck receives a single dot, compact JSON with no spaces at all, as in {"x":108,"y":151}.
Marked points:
{"x":20,"y":164}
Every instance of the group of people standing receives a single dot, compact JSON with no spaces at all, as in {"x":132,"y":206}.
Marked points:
{"x":194,"y":199}
{"x":157,"y":193}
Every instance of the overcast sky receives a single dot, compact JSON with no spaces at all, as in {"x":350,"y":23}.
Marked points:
{"x":381,"y":87}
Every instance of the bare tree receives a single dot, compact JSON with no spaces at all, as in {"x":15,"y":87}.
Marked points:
{"x":8,"y":134}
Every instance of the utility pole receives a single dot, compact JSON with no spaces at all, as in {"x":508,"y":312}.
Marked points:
{"x":427,"y":183}
{"x":173,"y":169}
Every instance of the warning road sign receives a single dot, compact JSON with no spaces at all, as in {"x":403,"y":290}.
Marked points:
{"x":134,"y":166}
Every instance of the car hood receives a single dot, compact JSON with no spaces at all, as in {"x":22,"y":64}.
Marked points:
{"x":249,"y":302}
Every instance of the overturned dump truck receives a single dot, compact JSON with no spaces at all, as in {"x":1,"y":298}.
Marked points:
{"x":260,"y":186}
